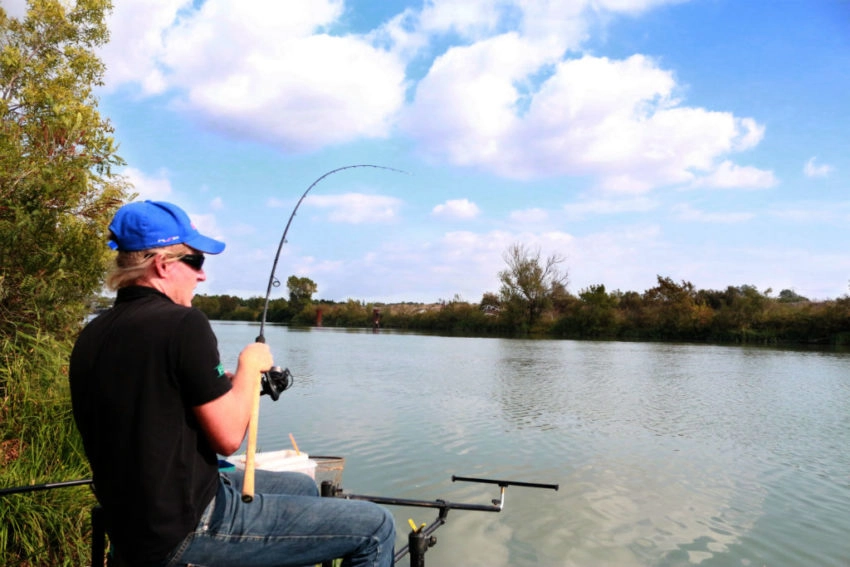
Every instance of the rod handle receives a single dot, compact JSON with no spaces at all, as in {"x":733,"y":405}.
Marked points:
{"x":250,"y":466}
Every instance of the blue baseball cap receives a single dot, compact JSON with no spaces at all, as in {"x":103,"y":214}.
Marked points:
{"x":152,"y":224}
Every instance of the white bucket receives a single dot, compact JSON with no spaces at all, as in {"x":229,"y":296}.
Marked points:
{"x":285,"y":460}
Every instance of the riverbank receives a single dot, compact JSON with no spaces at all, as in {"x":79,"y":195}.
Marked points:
{"x":735,"y":316}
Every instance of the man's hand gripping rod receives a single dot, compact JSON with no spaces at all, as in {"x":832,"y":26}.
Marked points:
{"x":272,"y":383}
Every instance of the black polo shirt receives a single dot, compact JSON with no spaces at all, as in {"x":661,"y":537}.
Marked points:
{"x":136,"y":372}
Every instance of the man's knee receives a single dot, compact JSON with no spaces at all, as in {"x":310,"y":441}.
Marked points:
{"x":386,"y":526}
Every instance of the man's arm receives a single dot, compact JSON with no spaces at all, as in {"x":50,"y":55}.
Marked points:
{"x":225,"y":418}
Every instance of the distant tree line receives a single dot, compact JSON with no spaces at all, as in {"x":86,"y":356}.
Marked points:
{"x":533,"y":300}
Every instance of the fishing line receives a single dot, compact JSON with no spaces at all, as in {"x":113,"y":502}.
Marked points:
{"x":273,"y":281}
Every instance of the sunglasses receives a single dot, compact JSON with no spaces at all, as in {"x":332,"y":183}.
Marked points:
{"x":195,"y":261}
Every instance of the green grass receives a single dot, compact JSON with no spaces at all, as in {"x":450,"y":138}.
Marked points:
{"x":39,"y":444}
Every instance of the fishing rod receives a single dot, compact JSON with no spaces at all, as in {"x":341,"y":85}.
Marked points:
{"x":44,"y":486}
{"x":273,"y":281}
{"x":277,"y":379}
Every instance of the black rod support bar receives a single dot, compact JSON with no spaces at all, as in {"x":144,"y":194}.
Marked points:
{"x":504,"y":483}
{"x":441,"y":504}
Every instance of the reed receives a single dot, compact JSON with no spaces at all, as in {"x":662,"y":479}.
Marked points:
{"x":40,"y":444}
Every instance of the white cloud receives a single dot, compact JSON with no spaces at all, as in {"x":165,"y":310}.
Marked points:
{"x":729,"y":175}
{"x":750,"y":134}
{"x":617,"y":119}
{"x":154,"y":188}
{"x":811,"y":169}
{"x":260,"y":69}
{"x":530,"y":216}
{"x":687,"y":213}
{"x":457,"y":209}
{"x":814,"y":212}
{"x":558,"y":25}
{"x":505,"y":100}
{"x":468,"y":18}
{"x":633,"y":6}
{"x":464,"y":108}
{"x":137,"y":42}
{"x":586,"y":208}
{"x":357,"y":208}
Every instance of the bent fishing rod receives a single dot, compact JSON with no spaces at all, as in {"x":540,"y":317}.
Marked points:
{"x":276,"y":380}
{"x":273,"y":281}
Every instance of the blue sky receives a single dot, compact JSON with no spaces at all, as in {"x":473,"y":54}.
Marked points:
{"x":701,"y":140}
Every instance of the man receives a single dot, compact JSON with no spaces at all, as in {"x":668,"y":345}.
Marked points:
{"x":155,"y":406}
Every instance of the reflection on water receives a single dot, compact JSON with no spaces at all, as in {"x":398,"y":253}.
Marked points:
{"x":665,"y":454}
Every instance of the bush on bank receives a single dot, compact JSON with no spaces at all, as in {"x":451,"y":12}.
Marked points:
{"x":39,"y":443}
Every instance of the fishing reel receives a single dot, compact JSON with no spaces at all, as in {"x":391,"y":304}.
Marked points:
{"x":275,"y":381}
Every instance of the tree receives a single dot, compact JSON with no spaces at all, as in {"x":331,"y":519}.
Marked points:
{"x":301,"y":292}
{"x":57,"y":188}
{"x":57,"y":195}
{"x":529,"y":285}
{"x":791,"y":296}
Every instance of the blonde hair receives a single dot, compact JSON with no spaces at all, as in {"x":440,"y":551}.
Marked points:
{"x":129,"y":268}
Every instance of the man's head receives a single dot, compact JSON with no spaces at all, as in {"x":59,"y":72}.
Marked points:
{"x":158,"y":246}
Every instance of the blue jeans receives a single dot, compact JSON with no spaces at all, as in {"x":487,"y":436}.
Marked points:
{"x":287,"y":524}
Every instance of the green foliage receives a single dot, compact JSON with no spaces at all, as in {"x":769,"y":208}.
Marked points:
{"x":301,"y":292}
{"x":232,"y":308}
{"x":57,"y":190}
{"x":57,"y":195}
{"x":678,"y":311}
{"x":490,"y":302}
{"x":352,"y":313}
{"x":673,"y":308}
{"x":593,"y":316}
{"x":790,"y":296}
{"x":38,"y":444}
{"x":450,"y":317}
{"x":298,"y":309}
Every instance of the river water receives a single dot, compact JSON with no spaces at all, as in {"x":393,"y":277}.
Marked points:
{"x":665,"y":454}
